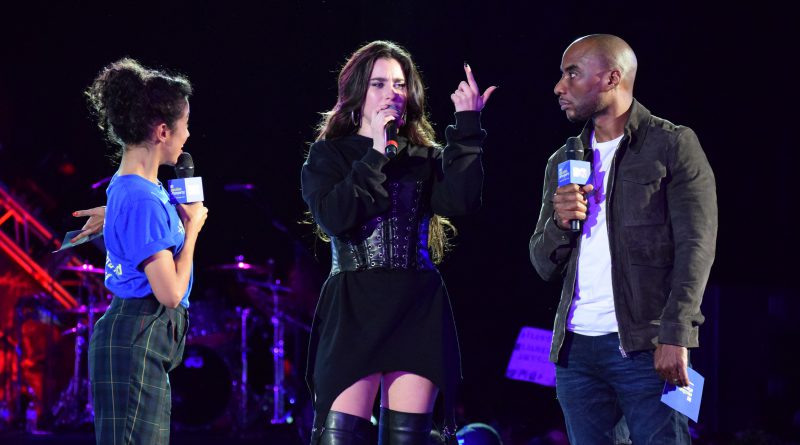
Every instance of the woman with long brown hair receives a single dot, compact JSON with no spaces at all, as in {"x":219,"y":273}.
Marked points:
{"x":384,"y":319}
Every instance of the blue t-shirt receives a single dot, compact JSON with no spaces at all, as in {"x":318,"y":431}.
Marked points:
{"x":140,"y":221}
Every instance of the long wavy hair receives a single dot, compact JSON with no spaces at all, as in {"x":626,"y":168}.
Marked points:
{"x":344,"y":118}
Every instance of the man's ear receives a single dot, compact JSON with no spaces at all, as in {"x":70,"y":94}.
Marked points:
{"x":614,"y":79}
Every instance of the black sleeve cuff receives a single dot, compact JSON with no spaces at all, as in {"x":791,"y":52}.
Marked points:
{"x":468,"y":126}
{"x":559,"y":236}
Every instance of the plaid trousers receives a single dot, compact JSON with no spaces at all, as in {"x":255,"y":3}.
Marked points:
{"x":133,"y":347}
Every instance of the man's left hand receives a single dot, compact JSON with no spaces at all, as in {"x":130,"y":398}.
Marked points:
{"x":671,"y":362}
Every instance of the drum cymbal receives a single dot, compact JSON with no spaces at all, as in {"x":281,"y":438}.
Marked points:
{"x":270,"y":285}
{"x":240,"y":266}
{"x":84,"y":268}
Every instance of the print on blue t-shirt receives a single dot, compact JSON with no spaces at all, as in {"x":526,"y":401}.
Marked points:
{"x":140,"y":221}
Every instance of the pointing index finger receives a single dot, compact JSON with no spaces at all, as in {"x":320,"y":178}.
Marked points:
{"x":471,"y":78}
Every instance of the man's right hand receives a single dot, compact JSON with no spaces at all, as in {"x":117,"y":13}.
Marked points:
{"x":569,"y":202}
{"x":97,"y":217}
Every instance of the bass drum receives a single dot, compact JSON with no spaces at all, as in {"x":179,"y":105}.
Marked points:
{"x":201,"y":389}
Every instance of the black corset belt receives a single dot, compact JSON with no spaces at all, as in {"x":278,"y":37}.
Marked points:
{"x":397,"y":239}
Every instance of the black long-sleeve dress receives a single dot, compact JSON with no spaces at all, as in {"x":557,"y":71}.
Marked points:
{"x":385,"y":307}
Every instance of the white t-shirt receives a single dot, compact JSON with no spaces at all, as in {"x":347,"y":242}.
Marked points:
{"x":592,"y":311}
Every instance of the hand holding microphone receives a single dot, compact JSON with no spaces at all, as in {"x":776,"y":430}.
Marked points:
{"x":569,"y":202}
{"x":187,"y":192}
{"x":193,"y":216}
{"x":384,"y":130}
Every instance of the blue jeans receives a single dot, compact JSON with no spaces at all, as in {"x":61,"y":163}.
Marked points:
{"x":596,"y":386}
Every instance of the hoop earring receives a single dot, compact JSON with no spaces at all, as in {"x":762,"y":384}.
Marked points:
{"x":353,"y":118}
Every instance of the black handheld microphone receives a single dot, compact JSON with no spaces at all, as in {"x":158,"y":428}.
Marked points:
{"x":184,"y":168}
{"x":391,"y":139}
{"x":391,"y":135}
{"x":574,"y":152}
{"x":186,"y":188}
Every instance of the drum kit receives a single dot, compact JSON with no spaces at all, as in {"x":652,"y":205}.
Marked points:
{"x":235,"y":374}
{"x":238,"y":356}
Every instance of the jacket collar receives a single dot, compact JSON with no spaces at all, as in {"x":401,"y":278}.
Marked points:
{"x":635,"y":128}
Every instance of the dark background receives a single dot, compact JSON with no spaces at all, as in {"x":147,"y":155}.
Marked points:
{"x":263,"y":72}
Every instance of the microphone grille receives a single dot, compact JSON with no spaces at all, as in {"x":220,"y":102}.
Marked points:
{"x":574,"y":150}
{"x":184,"y":168}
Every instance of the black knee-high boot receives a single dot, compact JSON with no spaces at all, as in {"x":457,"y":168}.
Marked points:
{"x":399,"y":428}
{"x":383,"y":426}
{"x":346,"y":429}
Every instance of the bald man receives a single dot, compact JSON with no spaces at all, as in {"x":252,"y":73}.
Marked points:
{"x":634,"y":273}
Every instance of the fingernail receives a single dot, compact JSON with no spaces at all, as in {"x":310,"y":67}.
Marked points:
{"x":466,"y":65}
{"x":74,"y":213}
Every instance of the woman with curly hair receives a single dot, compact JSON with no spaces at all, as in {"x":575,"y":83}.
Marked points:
{"x":384,"y":320}
{"x":150,"y":246}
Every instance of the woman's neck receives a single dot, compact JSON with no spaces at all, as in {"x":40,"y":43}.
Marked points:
{"x":140,"y":160}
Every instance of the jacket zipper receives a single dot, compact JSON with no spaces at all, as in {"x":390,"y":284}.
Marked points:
{"x":609,"y":195}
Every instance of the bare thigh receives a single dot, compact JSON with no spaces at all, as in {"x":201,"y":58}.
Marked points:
{"x":407,"y":392}
{"x":359,"y":397}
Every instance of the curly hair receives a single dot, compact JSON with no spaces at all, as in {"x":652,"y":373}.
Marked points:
{"x":128,"y":99}
{"x":353,"y":83}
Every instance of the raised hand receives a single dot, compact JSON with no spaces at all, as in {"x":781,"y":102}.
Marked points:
{"x":468,"y":97}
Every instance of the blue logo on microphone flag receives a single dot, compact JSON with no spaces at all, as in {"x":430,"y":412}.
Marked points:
{"x":186,"y":190}
{"x":574,"y":172}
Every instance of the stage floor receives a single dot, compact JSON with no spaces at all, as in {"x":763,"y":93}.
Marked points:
{"x":276,"y":437}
